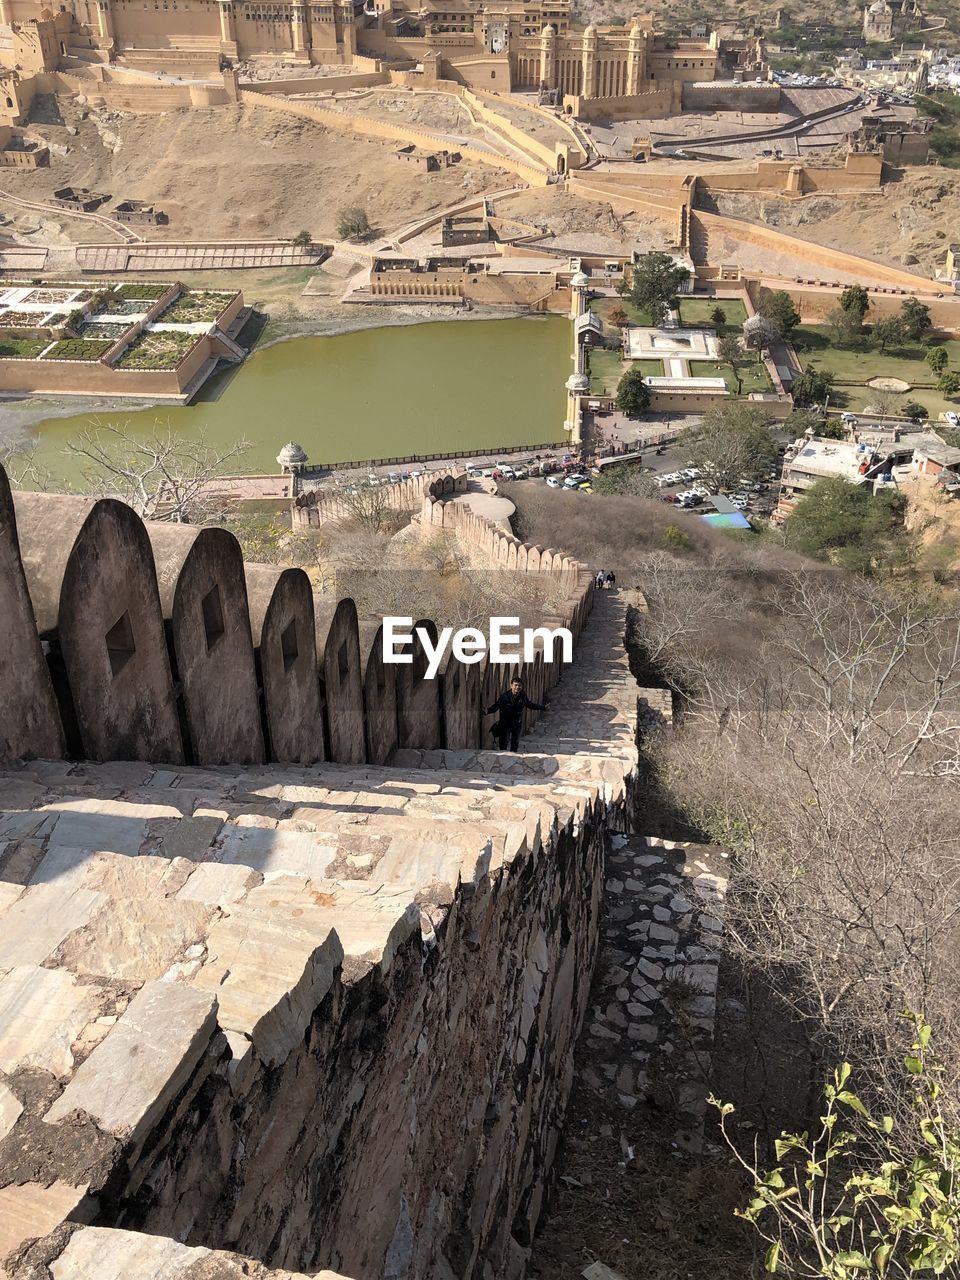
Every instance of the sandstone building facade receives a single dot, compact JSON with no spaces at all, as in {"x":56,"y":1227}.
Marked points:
{"x":498,"y":46}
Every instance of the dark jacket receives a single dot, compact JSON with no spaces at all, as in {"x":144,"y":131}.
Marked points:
{"x":512,"y":708}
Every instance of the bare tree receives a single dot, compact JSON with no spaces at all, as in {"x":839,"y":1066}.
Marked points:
{"x":161,"y":476}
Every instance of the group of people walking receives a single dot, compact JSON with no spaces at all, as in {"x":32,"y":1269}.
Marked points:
{"x":605,"y":578}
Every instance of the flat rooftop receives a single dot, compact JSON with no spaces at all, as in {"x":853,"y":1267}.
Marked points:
{"x":820,"y":457}
{"x":670,"y":344}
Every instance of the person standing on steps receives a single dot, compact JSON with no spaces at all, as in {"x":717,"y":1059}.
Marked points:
{"x":598,"y":581}
{"x":610,"y":581}
{"x":511,"y":705}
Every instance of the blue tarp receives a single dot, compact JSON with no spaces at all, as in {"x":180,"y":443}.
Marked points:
{"x":728,"y":520}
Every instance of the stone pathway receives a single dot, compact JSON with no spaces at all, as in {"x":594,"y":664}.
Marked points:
{"x":649,"y":1032}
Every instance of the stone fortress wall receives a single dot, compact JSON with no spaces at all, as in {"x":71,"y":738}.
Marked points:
{"x":163,"y":645}
{"x":315,"y":1014}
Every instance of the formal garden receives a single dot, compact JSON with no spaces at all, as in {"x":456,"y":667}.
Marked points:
{"x":157,"y":349}
{"x":13,"y":347}
{"x":855,"y":361}
{"x":195,"y":306}
{"x":78,"y":349}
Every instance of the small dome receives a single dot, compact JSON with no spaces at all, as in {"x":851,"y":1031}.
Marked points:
{"x":580,"y":280}
{"x":591,"y":30}
{"x":879,"y":6}
{"x":292,"y":455}
{"x":578,"y":382}
{"x":549,"y":30}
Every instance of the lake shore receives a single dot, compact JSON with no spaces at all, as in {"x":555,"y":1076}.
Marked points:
{"x":19,"y":416}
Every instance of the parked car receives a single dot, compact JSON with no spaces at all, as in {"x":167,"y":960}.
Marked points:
{"x":555,"y":482}
{"x":575,"y":480}
{"x":953,"y":419}
{"x":488,"y":472}
{"x":394,"y":477}
{"x":520,"y":473}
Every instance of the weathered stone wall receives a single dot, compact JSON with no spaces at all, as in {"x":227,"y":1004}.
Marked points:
{"x":163,"y":645}
{"x":318,"y":1015}
{"x":29,"y":720}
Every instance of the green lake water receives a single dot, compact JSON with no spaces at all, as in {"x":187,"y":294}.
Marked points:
{"x":375,"y":393}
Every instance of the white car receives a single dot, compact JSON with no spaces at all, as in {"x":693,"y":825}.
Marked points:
{"x":488,"y":472}
{"x":739,"y":503}
{"x":953,"y":419}
{"x":506,"y":473}
{"x":555,"y":482}
{"x":520,"y":473}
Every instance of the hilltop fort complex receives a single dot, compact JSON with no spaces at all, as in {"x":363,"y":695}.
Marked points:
{"x":298,"y":977}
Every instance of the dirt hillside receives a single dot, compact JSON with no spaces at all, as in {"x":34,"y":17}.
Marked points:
{"x":236,"y":172}
{"x":909,"y":223}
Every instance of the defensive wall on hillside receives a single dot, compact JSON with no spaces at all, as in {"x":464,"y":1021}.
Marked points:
{"x":312,"y":1014}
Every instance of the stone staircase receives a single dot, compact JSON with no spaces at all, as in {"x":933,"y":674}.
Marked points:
{"x":649,"y":1033}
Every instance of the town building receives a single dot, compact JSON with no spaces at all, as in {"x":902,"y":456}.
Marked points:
{"x":883,"y":21}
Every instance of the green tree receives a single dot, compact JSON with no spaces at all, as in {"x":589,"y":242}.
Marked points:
{"x":948,"y":383}
{"x":731,"y":353}
{"x":303,"y":239}
{"x":353,"y":223}
{"x":625,"y":481}
{"x":856,"y":302}
{"x":656,"y":280}
{"x":850,"y":526}
{"x":858,"y":1195}
{"x":916,"y":318}
{"x":676,"y":539}
{"x":633,"y":394}
{"x":846,"y":326}
{"x":888,"y":331}
{"x":914,"y":410}
{"x":718,"y":317}
{"x":618,"y":317}
{"x":937,"y":359}
{"x":732,"y":444}
{"x":812,"y":386}
{"x":777,"y":305}
{"x":803,"y":420}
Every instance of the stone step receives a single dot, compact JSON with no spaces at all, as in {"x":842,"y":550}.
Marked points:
{"x":649,"y":1033}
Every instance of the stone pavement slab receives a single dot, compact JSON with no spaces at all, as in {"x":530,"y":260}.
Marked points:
{"x":132,"y":1076}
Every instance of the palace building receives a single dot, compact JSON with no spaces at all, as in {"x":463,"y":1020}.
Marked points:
{"x":500,"y":46}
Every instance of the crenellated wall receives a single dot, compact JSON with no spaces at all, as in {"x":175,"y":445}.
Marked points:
{"x":318,"y":1014}
{"x":161,"y":644}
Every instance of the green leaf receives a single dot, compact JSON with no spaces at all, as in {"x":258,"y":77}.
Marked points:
{"x":843,"y":1074}
{"x":881,"y":1256}
{"x":853,"y":1102}
{"x":853,"y":1258}
{"x":772,"y":1259}
{"x":913,"y":1065}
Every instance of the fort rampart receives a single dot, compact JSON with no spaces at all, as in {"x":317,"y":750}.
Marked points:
{"x":316,"y":1015}
{"x":163,"y":645}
